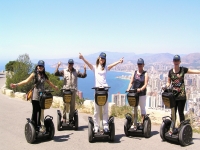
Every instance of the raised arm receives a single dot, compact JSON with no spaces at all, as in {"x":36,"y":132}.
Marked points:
{"x":115,"y":63}
{"x":82,"y":75}
{"x":12,"y":85}
{"x":190,"y":71}
{"x":57,"y":72}
{"x":89,"y":65}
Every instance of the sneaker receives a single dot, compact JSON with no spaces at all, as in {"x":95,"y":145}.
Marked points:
{"x":42,"y":129}
{"x":96,"y":129}
{"x":106,"y":128}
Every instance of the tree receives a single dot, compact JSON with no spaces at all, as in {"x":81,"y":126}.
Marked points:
{"x":9,"y":66}
{"x":22,"y":68}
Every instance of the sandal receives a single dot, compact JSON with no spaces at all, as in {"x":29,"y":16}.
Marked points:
{"x":134,"y":127}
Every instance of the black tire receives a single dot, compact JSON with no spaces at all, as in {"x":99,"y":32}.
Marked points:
{"x":90,"y":132}
{"x":58,"y":122}
{"x":147,"y":128}
{"x":126,"y":127}
{"x":185,"y":135}
{"x":76,"y":122}
{"x":30,"y":133}
{"x":50,"y":128}
{"x":51,"y":131}
{"x":112,"y":132}
{"x":164,"y":128}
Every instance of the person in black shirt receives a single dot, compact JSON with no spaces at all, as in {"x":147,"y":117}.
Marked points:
{"x":139,"y":81}
{"x":176,"y":79}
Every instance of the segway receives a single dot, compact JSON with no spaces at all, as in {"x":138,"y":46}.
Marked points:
{"x":101,"y":96}
{"x":69,"y":124}
{"x":182,"y":134}
{"x":31,"y":131}
{"x":142,"y":129}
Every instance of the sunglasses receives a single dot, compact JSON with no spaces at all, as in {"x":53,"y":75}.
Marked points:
{"x":70,"y":63}
{"x":176,"y":60}
{"x":41,"y":66}
{"x":139,"y":64}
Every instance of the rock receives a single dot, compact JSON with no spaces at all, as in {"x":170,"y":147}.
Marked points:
{"x":9,"y":93}
{"x":3,"y":90}
{"x":20,"y":95}
{"x":57,"y":102}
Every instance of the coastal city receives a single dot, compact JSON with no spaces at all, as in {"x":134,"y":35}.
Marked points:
{"x":158,"y":75}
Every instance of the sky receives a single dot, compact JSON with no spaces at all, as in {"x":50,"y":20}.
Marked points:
{"x":51,"y":29}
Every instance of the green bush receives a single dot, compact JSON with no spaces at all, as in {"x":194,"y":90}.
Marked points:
{"x":121,"y":111}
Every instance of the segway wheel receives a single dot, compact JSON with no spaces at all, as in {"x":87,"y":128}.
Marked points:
{"x":112,"y":132}
{"x":50,"y":128}
{"x":76,"y":121}
{"x":30,"y":133}
{"x":164,"y":128}
{"x":58,"y":122}
{"x":90,"y":132}
{"x":126,"y":127}
{"x":147,"y":128}
{"x":185,"y":135}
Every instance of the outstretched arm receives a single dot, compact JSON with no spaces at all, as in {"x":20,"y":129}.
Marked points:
{"x":52,"y":85}
{"x":190,"y":71}
{"x":89,"y":65}
{"x":115,"y":63}
{"x":12,"y":85}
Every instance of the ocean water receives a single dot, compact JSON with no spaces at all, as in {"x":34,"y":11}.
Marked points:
{"x":85,"y":85}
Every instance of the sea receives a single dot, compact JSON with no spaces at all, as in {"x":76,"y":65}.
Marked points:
{"x":85,"y":84}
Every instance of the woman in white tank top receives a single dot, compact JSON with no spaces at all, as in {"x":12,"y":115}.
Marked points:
{"x":100,"y":70}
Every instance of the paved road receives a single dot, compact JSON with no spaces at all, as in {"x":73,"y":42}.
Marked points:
{"x":13,"y":114}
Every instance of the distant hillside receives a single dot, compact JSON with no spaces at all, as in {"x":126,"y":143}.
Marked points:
{"x":193,"y":58}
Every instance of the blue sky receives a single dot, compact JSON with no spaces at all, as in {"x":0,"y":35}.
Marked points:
{"x":61,"y":29}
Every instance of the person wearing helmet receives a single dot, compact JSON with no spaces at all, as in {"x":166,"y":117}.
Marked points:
{"x":39,"y":76}
{"x":176,"y":79}
{"x":70,"y":76}
{"x":100,"y":70}
{"x":139,"y":81}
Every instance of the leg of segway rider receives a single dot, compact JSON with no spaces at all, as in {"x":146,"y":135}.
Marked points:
{"x":142,"y":103}
{"x":96,"y":118}
{"x":181,"y":106}
{"x":64,"y":112}
{"x":105,"y":117}
{"x":173,"y":115}
{"x":35,"y":112}
{"x":42,"y":129}
{"x":135,"y":117}
{"x":72,"y":106}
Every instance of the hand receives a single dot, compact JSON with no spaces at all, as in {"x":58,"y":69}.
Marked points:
{"x":59,"y":63}
{"x":80,"y":56}
{"x":84,"y":66}
{"x":138,"y":90}
{"x":121,"y":60}
{"x":164,"y":87}
{"x":13,"y":85}
{"x":56,"y":88}
{"x":127,"y":90}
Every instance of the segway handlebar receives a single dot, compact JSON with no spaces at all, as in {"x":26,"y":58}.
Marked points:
{"x":102,"y":87}
{"x":67,"y":89}
{"x":131,"y":91}
{"x":46,"y":91}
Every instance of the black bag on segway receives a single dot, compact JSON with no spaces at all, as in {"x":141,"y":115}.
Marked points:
{"x":46,"y":100}
{"x":67,"y":96}
{"x":101,"y":97}
{"x":133,"y":99}
{"x":168,"y":98}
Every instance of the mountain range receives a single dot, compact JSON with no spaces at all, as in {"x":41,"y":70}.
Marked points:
{"x":149,"y":58}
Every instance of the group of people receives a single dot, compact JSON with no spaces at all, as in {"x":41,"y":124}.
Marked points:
{"x":139,"y":81}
